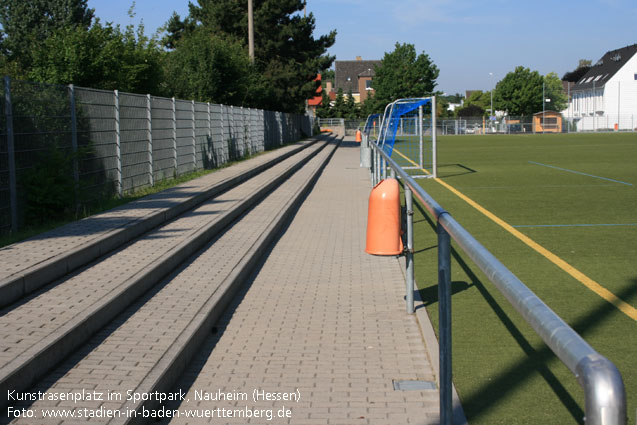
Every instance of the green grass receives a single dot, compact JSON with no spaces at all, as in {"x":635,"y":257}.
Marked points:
{"x":106,"y":204}
{"x":504,"y":373}
{"x":98,"y":207}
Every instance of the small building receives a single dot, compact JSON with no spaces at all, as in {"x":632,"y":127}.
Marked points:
{"x":547,"y":122}
{"x":355,"y":77}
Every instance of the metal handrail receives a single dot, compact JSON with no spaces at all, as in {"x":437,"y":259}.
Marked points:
{"x":604,"y":393}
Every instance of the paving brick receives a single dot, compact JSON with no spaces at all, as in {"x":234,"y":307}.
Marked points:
{"x":152,"y":324}
{"x":322,"y":312}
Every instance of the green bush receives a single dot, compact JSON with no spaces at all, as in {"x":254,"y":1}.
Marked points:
{"x":49,"y":187}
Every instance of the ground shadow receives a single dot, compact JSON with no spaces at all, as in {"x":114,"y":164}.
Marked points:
{"x":536,"y":361}
{"x":447,"y":170}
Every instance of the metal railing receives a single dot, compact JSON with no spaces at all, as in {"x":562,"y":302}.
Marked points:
{"x":605,"y":396}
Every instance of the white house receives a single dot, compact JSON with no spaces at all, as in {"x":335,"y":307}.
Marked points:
{"x":606,"y":97}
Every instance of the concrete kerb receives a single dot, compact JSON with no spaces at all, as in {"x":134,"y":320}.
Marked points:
{"x":169,"y":369}
{"x":34,"y":277}
{"x":40,"y":358}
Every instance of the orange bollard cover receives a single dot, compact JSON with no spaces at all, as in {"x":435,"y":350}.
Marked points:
{"x":359,"y":137}
{"x":383,"y":219}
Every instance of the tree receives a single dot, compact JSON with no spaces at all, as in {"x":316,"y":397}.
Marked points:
{"x":523,"y":92}
{"x":582,"y":68}
{"x":481,"y":99}
{"x":470,"y":111}
{"x":403,"y":74}
{"x":339,"y":108}
{"x":287,"y":56}
{"x":324,"y":110}
{"x":25,"y":24}
{"x":519,"y":92}
{"x":103,"y":57}
{"x":554,"y":91}
{"x":209,"y":68}
{"x":351,"y":108}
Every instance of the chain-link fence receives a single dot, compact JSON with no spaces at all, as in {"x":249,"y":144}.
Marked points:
{"x":535,"y":124}
{"x":106,"y":142}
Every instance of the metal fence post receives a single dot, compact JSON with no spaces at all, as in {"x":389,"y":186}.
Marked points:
{"x":409,"y":257}
{"x":444,"y":319}
{"x":374,"y":167}
{"x":384,"y":167}
{"x":13,"y":195}
{"x":118,"y":150}
{"x":149,"y":117}
{"x":224,"y":144}
{"x":434,"y":139}
{"x":421,"y":161}
{"x":76,"y":171}
{"x":194,"y":140}
{"x":174,"y":136}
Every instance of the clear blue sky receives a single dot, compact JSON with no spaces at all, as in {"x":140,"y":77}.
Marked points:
{"x":466,"y":39}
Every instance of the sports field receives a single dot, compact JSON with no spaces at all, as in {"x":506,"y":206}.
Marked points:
{"x":560,"y":211}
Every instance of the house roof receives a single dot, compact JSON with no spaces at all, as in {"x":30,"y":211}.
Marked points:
{"x":346,"y":73}
{"x":605,"y":68}
{"x":546,"y":113}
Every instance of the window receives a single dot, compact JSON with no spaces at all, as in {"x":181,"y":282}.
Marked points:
{"x":635,"y":76}
{"x":368,"y":85}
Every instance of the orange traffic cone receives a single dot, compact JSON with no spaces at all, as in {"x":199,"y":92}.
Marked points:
{"x":358,"y":136}
{"x":383,"y":219}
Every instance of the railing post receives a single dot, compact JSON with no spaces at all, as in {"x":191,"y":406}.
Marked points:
{"x":444,"y":319}
{"x":409,"y":255}
{"x":376,"y":167}
{"x":383,"y":164}
{"x":149,"y":117}
{"x":13,"y":195}
{"x":118,"y":147}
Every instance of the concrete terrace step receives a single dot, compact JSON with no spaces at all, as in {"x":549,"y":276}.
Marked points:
{"x":47,"y":326}
{"x":38,"y":261}
{"x":147,"y":347}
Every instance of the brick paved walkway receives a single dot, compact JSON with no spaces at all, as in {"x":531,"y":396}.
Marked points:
{"x":134,"y":346}
{"x":321,"y":319}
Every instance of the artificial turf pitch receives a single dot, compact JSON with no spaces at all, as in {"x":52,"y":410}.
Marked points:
{"x":574,"y":194}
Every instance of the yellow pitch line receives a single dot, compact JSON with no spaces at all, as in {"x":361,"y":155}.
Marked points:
{"x":623,"y":306}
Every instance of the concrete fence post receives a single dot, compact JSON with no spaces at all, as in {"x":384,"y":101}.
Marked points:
{"x":13,"y":195}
